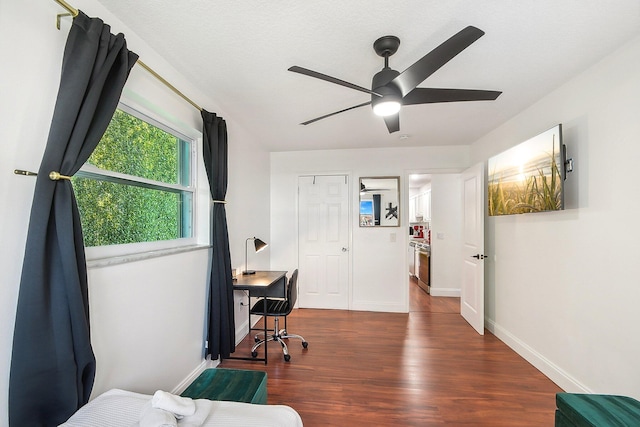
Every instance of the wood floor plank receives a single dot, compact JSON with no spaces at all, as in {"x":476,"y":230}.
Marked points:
{"x":423,"y":368}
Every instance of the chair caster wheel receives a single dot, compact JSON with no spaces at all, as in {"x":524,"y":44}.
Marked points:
{"x":287,"y":357}
{"x":254,"y":354}
{"x":305,"y":344}
{"x":256,"y":339}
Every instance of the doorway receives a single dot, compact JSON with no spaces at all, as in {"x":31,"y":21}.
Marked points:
{"x":419,"y":251}
{"x":422,"y":302}
{"x":444,"y":237}
{"x":455,"y":212}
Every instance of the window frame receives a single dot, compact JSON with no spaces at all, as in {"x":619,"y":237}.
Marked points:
{"x":93,"y":172}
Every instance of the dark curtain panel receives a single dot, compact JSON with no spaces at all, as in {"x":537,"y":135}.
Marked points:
{"x":221,"y":323}
{"x":52,"y":365}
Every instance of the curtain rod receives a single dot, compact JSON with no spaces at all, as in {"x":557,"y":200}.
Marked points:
{"x":74,"y":12}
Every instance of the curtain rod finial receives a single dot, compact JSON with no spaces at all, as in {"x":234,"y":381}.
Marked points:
{"x":55,"y":176}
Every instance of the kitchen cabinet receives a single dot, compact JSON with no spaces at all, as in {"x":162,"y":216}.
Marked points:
{"x":412,"y":209}
{"x":426,"y":205}
{"x":420,"y":205}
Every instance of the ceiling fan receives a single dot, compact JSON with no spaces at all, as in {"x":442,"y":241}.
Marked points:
{"x":364,"y":189}
{"x":391,"y":89}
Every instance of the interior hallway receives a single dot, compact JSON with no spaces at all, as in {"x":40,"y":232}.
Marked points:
{"x":424,"y":368}
{"x":420,"y":301}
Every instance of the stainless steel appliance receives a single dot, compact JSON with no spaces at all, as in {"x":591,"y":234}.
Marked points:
{"x":422,"y":265}
{"x":412,"y":259}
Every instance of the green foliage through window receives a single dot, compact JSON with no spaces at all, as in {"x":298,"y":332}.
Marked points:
{"x":135,"y":186}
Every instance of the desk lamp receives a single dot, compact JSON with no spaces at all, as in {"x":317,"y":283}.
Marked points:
{"x":259,"y":245}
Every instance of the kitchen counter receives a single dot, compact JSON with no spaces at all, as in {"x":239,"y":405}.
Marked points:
{"x":420,"y":244}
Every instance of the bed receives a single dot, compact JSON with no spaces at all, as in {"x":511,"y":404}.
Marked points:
{"x":120,"y":408}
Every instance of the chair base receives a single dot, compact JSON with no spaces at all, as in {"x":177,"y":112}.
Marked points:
{"x":279,"y":335}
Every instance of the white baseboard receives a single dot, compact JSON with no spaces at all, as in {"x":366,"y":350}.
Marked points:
{"x":377,"y":306}
{"x":562,"y":378}
{"x":242,"y":331}
{"x":444,"y":292}
{"x":205,"y":364}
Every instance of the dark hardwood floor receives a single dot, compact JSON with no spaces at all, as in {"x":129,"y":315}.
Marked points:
{"x":423,"y":368}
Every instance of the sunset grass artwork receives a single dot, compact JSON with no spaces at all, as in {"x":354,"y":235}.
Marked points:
{"x":527,"y":178}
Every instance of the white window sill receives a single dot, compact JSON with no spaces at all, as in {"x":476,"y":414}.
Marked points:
{"x":123,"y":259}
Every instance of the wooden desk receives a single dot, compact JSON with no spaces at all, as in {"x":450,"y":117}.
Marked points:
{"x":259,"y":285}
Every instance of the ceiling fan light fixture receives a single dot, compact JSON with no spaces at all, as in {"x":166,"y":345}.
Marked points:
{"x":390,"y":89}
{"x":387,"y":106}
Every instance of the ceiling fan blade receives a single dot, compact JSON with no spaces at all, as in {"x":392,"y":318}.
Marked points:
{"x":392,"y":122}
{"x":330,"y":79}
{"x":364,"y":189}
{"x":333,"y":114}
{"x":433,"y":95}
{"x":410,"y":78}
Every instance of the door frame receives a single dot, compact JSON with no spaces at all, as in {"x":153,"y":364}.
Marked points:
{"x":350,"y":219}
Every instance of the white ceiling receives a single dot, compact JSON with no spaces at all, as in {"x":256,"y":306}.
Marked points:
{"x":239,"y":51}
{"x":417,"y":181}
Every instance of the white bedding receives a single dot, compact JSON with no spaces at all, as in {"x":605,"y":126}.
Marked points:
{"x":119,"y":408}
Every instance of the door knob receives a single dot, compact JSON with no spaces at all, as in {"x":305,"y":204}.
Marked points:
{"x":344,"y":249}
{"x":478,"y":256}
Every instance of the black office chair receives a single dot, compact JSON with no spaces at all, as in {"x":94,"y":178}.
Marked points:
{"x":277,"y":308}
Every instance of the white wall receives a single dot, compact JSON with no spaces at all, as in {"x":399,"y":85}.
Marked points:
{"x":378,"y":264}
{"x":446,"y":234}
{"x":562,"y":287}
{"x":147,"y":331}
{"x":142,"y":341}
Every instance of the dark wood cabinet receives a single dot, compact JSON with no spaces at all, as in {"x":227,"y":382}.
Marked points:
{"x":423,"y":271}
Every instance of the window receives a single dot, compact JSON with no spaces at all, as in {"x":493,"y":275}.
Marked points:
{"x":137,"y":184}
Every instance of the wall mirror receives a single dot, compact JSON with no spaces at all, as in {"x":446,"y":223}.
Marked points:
{"x":380,"y":201}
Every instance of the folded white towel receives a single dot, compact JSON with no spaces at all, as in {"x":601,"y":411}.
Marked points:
{"x":155,"y":417}
{"x":203,"y":408}
{"x":180,"y":406}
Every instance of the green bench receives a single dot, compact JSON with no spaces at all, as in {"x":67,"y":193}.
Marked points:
{"x":229,"y":384}
{"x":596,"y":410}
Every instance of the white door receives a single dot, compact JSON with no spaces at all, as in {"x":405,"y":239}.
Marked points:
{"x":472,"y":292}
{"x":323,"y":237}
